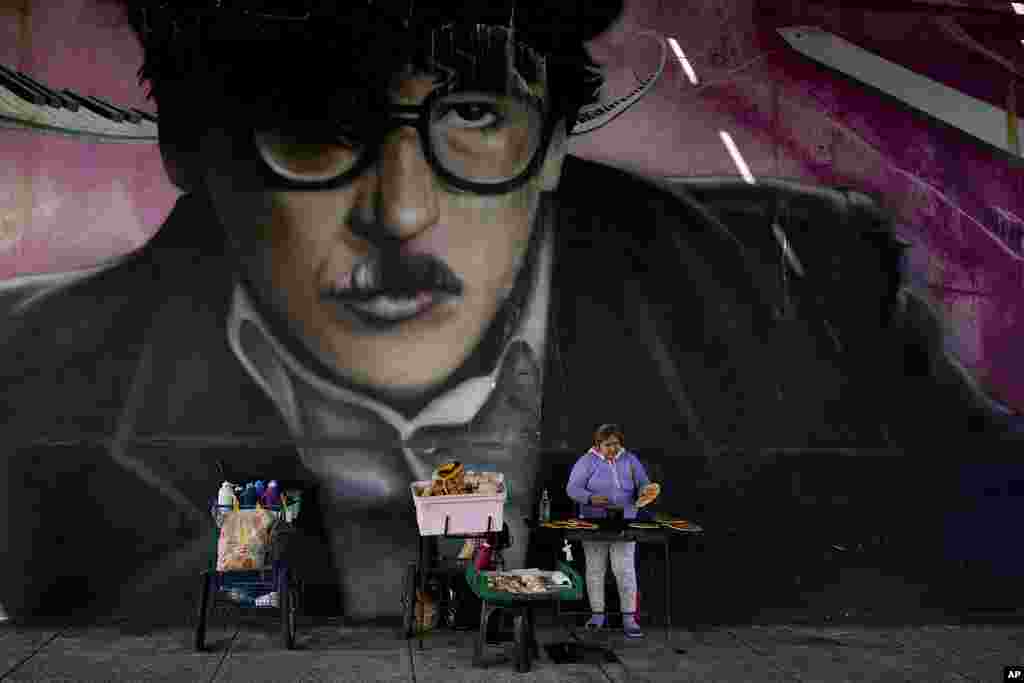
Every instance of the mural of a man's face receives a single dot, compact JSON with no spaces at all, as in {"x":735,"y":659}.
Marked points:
{"x":300,"y":246}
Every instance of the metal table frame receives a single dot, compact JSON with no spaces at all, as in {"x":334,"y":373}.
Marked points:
{"x":424,"y":564}
{"x":661,"y":536}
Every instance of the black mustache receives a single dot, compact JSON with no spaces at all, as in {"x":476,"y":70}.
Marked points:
{"x":398,"y":275}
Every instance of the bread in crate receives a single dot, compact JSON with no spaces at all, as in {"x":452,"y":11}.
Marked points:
{"x":452,"y":478}
{"x":482,"y":495}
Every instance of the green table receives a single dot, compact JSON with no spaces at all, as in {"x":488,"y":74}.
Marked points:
{"x":522,"y":604}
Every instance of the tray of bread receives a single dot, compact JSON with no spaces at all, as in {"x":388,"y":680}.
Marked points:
{"x":682,"y":525}
{"x":457,"y":501}
{"x":527,"y":581}
{"x":569,"y":524}
{"x":453,"y":479}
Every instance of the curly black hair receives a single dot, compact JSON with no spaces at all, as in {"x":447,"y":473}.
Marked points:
{"x":234,"y":62}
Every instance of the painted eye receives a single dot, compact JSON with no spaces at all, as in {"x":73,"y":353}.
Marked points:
{"x":469,"y":115}
{"x":307,"y":159}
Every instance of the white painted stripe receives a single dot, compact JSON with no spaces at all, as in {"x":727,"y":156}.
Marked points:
{"x":687,"y":67}
{"x":791,"y":256}
{"x":975,"y":117}
{"x":737,"y":158}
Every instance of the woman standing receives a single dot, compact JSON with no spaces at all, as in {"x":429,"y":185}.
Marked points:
{"x":608,"y":475}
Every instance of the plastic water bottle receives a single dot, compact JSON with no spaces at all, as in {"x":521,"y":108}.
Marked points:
{"x":483,"y":557}
{"x":226,"y":497}
{"x":249,"y":494}
{"x":272,"y":496}
{"x":225,"y":501}
{"x":545,"y":507}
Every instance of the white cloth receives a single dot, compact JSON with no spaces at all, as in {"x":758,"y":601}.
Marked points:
{"x":623,"y":560}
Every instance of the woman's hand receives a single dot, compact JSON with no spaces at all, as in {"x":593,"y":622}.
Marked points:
{"x":650,"y":489}
{"x":648,"y":494}
{"x":599,"y":501}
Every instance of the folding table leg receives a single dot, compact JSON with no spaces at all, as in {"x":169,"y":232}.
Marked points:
{"x":481,"y":637}
{"x":522,"y":640}
{"x":486,"y":612}
{"x":668,"y":591}
{"x":531,"y":627}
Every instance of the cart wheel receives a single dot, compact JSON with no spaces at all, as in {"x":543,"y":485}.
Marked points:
{"x":286,"y":596}
{"x":409,"y":601}
{"x":204,"y":610}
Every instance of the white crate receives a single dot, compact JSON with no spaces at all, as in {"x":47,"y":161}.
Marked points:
{"x":466,"y":514}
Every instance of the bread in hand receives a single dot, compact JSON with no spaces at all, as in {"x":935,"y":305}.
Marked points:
{"x":648,"y":494}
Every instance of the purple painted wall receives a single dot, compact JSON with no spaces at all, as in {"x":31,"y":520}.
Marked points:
{"x":67,"y":204}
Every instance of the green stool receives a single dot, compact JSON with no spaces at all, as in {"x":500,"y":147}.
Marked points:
{"x":521,"y":605}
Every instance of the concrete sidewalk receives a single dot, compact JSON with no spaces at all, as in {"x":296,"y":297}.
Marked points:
{"x":250,"y":651}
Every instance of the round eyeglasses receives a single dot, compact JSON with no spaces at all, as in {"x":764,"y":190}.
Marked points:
{"x":479,"y":142}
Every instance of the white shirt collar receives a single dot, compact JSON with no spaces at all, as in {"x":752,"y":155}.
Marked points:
{"x":274,"y":368}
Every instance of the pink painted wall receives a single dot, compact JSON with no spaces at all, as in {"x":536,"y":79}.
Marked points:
{"x":67,"y":204}
{"x":961,"y":204}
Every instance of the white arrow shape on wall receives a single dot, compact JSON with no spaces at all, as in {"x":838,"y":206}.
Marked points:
{"x":600,"y":114}
{"x":977,"y":118}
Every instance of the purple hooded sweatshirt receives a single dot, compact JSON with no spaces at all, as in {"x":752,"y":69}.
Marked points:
{"x":593,"y":475}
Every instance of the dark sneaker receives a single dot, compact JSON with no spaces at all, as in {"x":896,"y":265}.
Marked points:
{"x":632,"y":629}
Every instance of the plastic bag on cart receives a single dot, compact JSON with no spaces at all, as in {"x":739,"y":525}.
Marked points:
{"x":428,"y":612}
{"x":244,"y":539}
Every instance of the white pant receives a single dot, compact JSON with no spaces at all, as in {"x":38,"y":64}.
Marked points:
{"x":623,"y":557}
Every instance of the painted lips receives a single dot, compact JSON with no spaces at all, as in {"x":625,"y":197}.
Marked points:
{"x":387,"y":289}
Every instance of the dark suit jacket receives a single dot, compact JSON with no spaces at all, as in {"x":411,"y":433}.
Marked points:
{"x":664,"y":319}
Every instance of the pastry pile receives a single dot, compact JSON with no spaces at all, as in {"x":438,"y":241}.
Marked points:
{"x":452,"y":479}
{"x":517,"y":584}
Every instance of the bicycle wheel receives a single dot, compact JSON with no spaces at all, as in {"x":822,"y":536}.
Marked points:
{"x":205,"y":591}
{"x":286,"y":596}
{"x":408,"y":600}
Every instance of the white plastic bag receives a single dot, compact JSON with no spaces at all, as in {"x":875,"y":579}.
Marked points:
{"x":244,"y":539}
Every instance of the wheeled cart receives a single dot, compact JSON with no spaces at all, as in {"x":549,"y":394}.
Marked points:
{"x":459,"y":517}
{"x":273,"y":588}
{"x":428,"y":566}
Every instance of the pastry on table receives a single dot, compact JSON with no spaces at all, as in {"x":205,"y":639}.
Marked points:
{"x":645,"y":525}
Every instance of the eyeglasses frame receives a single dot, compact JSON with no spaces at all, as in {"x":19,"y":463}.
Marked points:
{"x":418,"y":117}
